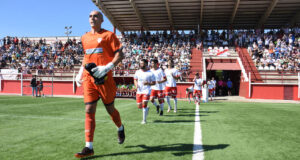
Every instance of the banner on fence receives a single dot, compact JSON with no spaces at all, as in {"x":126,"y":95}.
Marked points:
{"x":9,"y":74}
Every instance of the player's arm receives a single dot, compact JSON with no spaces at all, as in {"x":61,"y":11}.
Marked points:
{"x":162,"y":81}
{"x":135,"y":83}
{"x":176,"y":75}
{"x":151,"y":82}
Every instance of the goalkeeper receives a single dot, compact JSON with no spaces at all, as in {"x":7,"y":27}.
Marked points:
{"x":102,"y":48}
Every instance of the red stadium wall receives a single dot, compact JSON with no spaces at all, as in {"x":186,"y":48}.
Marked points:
{"x":244,"y":89}
{"x":283,"y":92}
{"x":62,"y":88}
{"x":261,"y":91}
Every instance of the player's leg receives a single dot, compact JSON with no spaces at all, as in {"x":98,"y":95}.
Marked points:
{"x":161,"y":102}
{"x":194,"y":98}
{"x":197,"y":96}
{"x":108,"y":92}
{"x":145,"y":108}
{"x":168,"y":94}
{"x":174,"y":94}
{"x":90,"y":125}
{"x":187,"y":95}
{"x":152,"y":99}
{"x":91,"y":96}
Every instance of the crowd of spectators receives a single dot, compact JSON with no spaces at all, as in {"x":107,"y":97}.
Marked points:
{"x":161,"y":46}
{"x":274,"y":50}
{"x":26,"y":55}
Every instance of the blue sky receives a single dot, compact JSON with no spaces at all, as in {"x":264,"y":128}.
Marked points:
{"x":43,"y":18}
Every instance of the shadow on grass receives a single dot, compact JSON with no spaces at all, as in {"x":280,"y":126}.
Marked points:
{"x":208,"y":111}
{"x":176,"y":149}
{"x":176,"y":121}
{"x":183,"y":115}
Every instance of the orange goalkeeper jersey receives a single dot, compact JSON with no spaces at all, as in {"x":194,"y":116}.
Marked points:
{"x":99,"y":48}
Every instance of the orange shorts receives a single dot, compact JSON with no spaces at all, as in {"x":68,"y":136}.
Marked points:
{"x":92,"y":92}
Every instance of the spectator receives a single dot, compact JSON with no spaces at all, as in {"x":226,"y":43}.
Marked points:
{"x":229,"y":87}
{"x":33,"y":85}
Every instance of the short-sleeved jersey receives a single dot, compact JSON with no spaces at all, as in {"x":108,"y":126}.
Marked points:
{"x":142,"y":77}
{"x":214,"y":82}
{"x":171,"y":81}
{"x":159,"y":76}
{"x":210,"y":84}
{"x":198,"y":84}
{"x":99,"y":48}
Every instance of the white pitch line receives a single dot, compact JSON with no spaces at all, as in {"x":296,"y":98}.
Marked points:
{"x":198,"y":152}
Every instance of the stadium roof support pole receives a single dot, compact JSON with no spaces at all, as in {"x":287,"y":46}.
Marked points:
{"x":101,"y":6}
{"x":249,"y":84}
{"x":201,"y":14}
{"x":267,"y":13}
{"x":237,"y":3}
{"x":169,"y":14}
{"x":140,"y":17}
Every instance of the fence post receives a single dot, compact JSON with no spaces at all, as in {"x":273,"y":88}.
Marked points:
{"x":74,"y":82}
{"x":0,"y":81}
{"x":52,"y":85}
{"x":249,"y":84}
{"x":298,"y":84}
{"x":21,"y":84}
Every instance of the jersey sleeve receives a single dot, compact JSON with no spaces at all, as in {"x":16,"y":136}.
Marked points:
{"x":163,"y":75}
{"x":114,"y":43}
{"x":135,"y":76}
{"x":176,"y":73}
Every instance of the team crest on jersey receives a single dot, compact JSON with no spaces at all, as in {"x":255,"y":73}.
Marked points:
{"x":99,"y":40}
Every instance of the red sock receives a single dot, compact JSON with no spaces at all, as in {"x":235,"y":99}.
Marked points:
{"x":90,"y":125}
{"x":115,"y":116}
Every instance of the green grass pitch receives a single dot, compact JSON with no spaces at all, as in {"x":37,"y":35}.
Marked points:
{"x":53,"y":128}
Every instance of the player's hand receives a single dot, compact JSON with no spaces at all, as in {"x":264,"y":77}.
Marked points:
{"x":101,"y":71}
{"x":78,"y":78}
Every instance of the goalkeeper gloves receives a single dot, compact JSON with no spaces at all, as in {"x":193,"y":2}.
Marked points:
{"x":101,"y":71}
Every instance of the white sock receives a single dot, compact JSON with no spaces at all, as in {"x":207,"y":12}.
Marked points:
{"x":121,"y":128}
{"x":162,"y":106}
{"x":89,"y":145}
{"x":145,"y":114}
{"x":175,"y":104}
{"x":168,"y":101}
{"x":154,"y":103}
